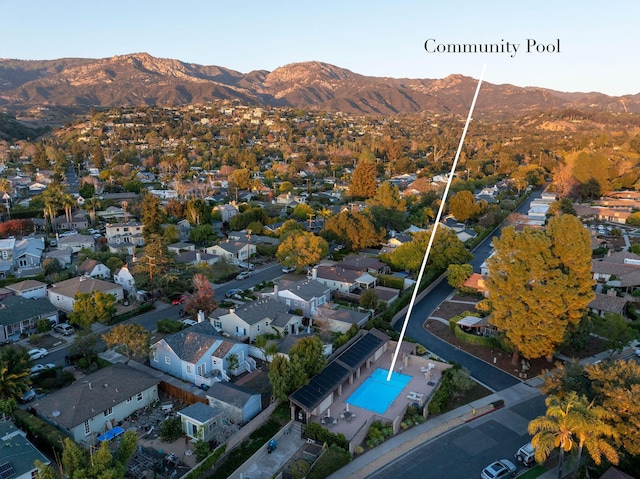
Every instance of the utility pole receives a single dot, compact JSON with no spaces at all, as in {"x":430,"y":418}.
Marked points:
{"x":249,"y":250}
{"x":310,"y":222}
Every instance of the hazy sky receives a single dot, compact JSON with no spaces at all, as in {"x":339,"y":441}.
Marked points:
{"x":598,"y":40}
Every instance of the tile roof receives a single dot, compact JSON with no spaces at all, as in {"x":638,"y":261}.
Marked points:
{"x":93,"y":394}
{"x":608,"y":303}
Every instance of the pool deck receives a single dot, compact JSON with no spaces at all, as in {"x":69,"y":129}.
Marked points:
{"x":421,"y":382}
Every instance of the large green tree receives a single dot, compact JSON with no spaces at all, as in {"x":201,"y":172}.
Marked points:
{"x":89,"y":308}
{"x":302,"y":249}
{"x":129,"y":340}
{"x":151,"y":216}
{"x":539,"y":285}
{"x":309,"y":352}
{"x":363,"y":181}
{"x":286,"y":376}
{"x":355,"y":230}
{"x":463,"y":206}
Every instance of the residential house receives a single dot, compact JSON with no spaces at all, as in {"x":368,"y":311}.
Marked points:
{"x":124,"y":237}
{"x":258,"y":317}
{"x":199,"y":421}
{"x":227,"y":211}
{"x":18,"y":454}
{"x":63,"y":294}
{"x":27,"y":256}
{"x":77,"y":221}
{"x":340,"y":320}
{"x":76,"y":242}
{"x":608,"y":303}
{"x":97,"y":402}
{"x":112,"y":213}
{"x":343,"y":280}
{"x":195,"y":258}
{"x":61,"y":255}
{"x":19,"y":315}
{"x":29,"y":289}
{"x":621,"y":270}
{"x":234,"y":251}
{"x":94,"y":269}
{"x":358,"y":262}
{"x":184,"y":227}
{"x":236,"y":403}
{"x":181,"y":246}
{"x":306,"y":295}
{"x":124,"y":278}
{"x":200,"y":355}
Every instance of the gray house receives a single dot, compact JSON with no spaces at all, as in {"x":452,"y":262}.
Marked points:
{"x":19,"y":315}
{"x":237,"y":403}
{"x":200,"y":421}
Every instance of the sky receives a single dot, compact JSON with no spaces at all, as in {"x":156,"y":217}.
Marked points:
{"x":597,"y":41}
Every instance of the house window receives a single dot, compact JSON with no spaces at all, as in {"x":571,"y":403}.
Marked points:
{"x":87,"y":428}
{"x":167,"y":360}
{"x":155,"y":356}
{"x":218,"y":324}
{"x":202,"y":369}
{"x":108,"y":412}
{"x":139,"y":397}
{"x":258,"y":328}
{"x":129,"y":399}
{"x":266,"y":324}
{"x":188,"y":368}
{"x":5,"y":254}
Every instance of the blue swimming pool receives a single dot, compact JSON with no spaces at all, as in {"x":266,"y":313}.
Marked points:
{"x":376,"y":393}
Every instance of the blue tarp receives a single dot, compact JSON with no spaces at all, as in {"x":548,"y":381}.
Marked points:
{"x":110,"y":434}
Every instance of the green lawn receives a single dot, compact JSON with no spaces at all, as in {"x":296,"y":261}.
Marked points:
{"x":532,"y":473}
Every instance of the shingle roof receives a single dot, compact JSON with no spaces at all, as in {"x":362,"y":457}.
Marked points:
{"x":25,"y":285}
{"x":306,"y":289}
{"x":200,"y":412}
{"x":14,"y":309}
{"x":82,"y":284}
{"x":17,"y":450}
{"x":192,"y":343}
{"x":256,"y":311}
{"x":88,"y":265}
{"x":230,"y":393}
{"x":337,"y":371}
{"x":94,"y":394}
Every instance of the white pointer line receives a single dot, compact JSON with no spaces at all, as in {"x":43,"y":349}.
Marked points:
{"x":435,"y":227}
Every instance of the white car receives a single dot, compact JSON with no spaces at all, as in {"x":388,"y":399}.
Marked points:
{"x":499,"y":470}
{"x":189,"y":322}
{"x":37,"y":353}
{"x":38,"y":368}
{"x":288,"y":269}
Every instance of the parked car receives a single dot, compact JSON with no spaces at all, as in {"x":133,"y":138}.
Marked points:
{"x":244,"y":275}
{"x":638,"y":352}
{"x":38,"y":368}
{"x":179,"y":299}
{"x":189,"y":322}
{"x":37,"y":353}
{"x":29,"y":395}
{"x":526,"y":455}
{"x":499,"y":470}
{"x":64,"y":328}
{"x":232,"y":292}
{"x":288,"y":269}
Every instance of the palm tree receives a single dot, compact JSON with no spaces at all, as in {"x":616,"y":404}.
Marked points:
{"x":13,"y":384}
{"x":594,"y":433}
{"x":90,"y":205}
{"x":558,"y":427}
{"x":68,"y":202}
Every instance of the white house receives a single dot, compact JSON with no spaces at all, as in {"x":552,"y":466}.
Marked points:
{"x":29,"y":289}
{"x":124,"y":236}
{"x":306,"y":295}
{"x":62,"y":294}
{"x":94,"y":269}
{"x":76,"y":242}
{"x":233,"y":250}
{"x":124,"y":278}
{"x":98,"y":402}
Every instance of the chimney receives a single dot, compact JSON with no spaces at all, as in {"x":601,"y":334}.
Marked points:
{"x":275,"y":290}
{"x":200,"y":316}
{"x":198,"y":256}
{"x":314,"y":273}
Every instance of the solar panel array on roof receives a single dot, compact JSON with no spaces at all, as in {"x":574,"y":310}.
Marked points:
{"x":360,"y":350}
{"x":337,"y":371}
{"x":6,"y":471}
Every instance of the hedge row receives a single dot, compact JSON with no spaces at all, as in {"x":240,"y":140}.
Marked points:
{"x":44,"y":436}
{"x":474,"y":339}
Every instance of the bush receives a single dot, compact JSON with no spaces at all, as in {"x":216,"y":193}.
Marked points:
{"x":299,"y":469}
{"x":169,"y":326}
{"x":322,"y":435}
{"x":44,"y":436}
{"x":171,"y":429}
{"x":378,"y":432}
{"x":333,"y":459}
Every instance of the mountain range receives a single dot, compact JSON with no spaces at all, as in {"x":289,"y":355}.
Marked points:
{"x":141,"y":79}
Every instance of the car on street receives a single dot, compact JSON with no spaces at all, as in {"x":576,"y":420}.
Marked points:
{"x":178,"y":299}
{"x":638,"y":352}
{"x":244,"y":275}
{"x":37,"y":353}
{"x":38,"y":368}
{"x":526,"y":455}
{"x":64,"y":328}
{"x":189,"y":322}
{"x":288,"y":269}
{"x":29,"y":395}
{"x":499,"y":470}
{"x":232,"y":292}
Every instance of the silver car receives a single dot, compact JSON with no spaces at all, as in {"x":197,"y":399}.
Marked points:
{"x":499,"y":470}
